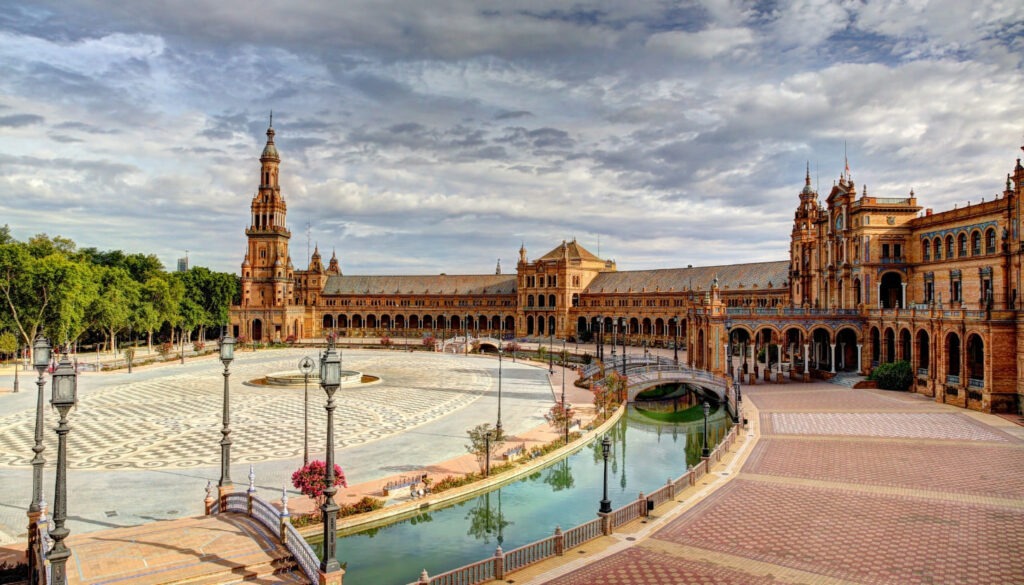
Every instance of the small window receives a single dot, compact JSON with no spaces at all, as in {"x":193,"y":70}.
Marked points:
{"x":961,"y":245}
{"x":976,"y":244}
{"x":990,"y":241}
{"x":926,"y":251}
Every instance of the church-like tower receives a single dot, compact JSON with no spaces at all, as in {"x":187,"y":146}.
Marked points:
{"x":267,"y":273}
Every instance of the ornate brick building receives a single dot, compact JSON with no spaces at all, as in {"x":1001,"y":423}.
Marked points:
{"x":869,"y":280}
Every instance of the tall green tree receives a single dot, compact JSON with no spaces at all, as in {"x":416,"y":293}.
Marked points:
{"x":117,"y":299}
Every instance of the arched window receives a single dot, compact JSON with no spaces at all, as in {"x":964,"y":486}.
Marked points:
{"x":961,"y":245}
{"x":551,"y":300}
{"x":575,"y":299}
{"x":529,"y":301}
{"x":937,"y":244}
{"x":540,"y":300}
{"x":975,"y":243}
{"x":990,"y":241}
{"x":926,"y":250}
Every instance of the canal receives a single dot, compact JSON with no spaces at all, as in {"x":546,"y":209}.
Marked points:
{"x":645,"y":452}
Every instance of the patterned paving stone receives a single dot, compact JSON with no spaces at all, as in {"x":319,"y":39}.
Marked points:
{"x":174,"y":421}
{"x":965,"y":468}
{"x":901,"y":425}
{"x":639,"y":566}
{"x":830,"y":397}
{"x":863,"y":538}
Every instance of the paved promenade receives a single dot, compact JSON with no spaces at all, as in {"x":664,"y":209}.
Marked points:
{"x":842,"y":486}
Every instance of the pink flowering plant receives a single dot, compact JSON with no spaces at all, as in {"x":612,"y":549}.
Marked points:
{"x":311,"y":480}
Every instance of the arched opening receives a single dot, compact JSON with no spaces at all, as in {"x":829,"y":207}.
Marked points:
{"x":328,"y":322}
{"x":551,"y":325}
{"x":976,"y":361}
{"x":990,"y":241}
{"x":575,"y":299}
{"x":529,"y":300}
{"x":257,"y":330}
{"x":923,"y":355}
{"x":822,"y":349}
{"x":581,"y":329}
{"x":937,"y":246}
{"x":856,"y":292}
{"x":371,"y":321}
{"x":926,"y":250}
{"x":399,"y":321}
{"x":496,"y":323}
{"x":540,"y":325}
{"x":646,"y":326}
{"x":846,"y":350}
{"x":975,"y":243}
{"x":510,"y":326}
{"x":659,"y":327}
{"x":699,"y":357}
{"x":949,"y":247}
{"x":634,"y":326}
{"x":961,"y":245}
{"x":529,"y":324}
{"x":953,"y":358}
{"x":540,"y":300}
{"x":342,"y":321}
{"x":428,"y":322}
{"x":905,"y":349}
{"x":891,"y":290}
{"x":385,"y":321}
{"x":455,"y":322}
{"x":890,"y":345}
{"x":357,"y":321}
{"x":551,"y":301}
{"x":414,"y":322}
{"x":876,"y":346}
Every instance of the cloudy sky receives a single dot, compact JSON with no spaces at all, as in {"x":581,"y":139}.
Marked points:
{"x":436,"y":136}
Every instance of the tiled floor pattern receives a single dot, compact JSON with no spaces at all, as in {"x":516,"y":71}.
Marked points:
{"x":967,"y":468}
{"x":174,"y":422}
{"x":863,"y":538}
{"x":901,"y":425}
{"x":847,"y":486}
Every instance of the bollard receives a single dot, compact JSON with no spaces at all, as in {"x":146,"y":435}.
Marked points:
{"x":285,"y":517}
{"x":208,"y":502}
{"x":559,"y":541}
{"x":251,"y":492}
{"x":499,"y":563}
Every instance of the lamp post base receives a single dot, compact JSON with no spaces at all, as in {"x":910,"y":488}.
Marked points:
{"x":330,"y":578}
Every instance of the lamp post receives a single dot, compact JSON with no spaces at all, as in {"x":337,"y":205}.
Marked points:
{"x":600,"y":337}
{"x":227,"y":353}
{"x":17,"y":366}
{"x":497,"y":426}
{"x":64,"y":396}
{"x":706,"y":452}
{"x":615,"y":343}
{"x":465,"y":327}
{"x":330,"y":380}
{"x":444,"y":329}
{"x":183,"y":345}
{"x":728,"y":346}
{"x":306,"y":366}
{"x":606,"y":447}
{"x":675,"y":339}
{"x":487,"y":454}
{"x":551,"y":348}
{"x":40,"y":360}
{"x":625,"y":332}
{"x":565,"y":408}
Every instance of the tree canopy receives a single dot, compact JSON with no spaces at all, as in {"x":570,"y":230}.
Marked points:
{"x":73,"y":295}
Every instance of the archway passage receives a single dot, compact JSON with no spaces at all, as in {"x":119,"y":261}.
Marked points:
{"x":976,"y":361}
{"x":846,"y":351}
{"x":891,"y":290}
{"x":257,"y":330}
{"x":923,"y":353}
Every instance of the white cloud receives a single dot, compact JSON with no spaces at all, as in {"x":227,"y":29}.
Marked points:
{"x":705,"y":44}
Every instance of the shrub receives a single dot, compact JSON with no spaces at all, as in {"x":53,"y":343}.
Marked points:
{"x":198,"y":346}
{"x":894,"y":376}
{"x":386,"y":341}
{"x":367,"y":504}
{"x":429,"y":341}
{"x":165,"y":349}
{"x":311,"y":480}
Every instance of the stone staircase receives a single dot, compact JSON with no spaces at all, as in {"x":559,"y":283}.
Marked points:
{"x":847,"y":379}
{"x":209,"y":550}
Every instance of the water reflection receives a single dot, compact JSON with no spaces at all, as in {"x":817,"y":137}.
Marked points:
{"x":567,"y":493}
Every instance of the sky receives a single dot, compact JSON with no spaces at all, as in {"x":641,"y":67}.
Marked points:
{"x":421,"y":137}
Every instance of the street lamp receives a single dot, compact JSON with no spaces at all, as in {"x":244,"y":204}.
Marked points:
{"x":64,"y":396}
{"x":17,"y":366}
{"x":41,"y":361}
{"x":465,"y":327}
{"x":227,"y":354}
{"x":498,"y":425}
{"x":706,"y":452}
{"x":728,"y":346}
{"x":625,"y":332}
{"x":606,"y":446}
{"x":565,"y":410}
{"x":551,"y":349}
{"x":306,"y":366}
{"x":675,"y":339}
{"x":330,"y":379}
{"x":183,"y":345}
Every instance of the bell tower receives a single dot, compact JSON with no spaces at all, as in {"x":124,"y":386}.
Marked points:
{"x":267,"y":272}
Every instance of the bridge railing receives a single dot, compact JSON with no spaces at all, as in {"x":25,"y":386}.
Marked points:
{"x":278,"y":522}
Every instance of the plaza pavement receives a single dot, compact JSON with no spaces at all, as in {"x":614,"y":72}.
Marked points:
{"x":143,"y":446}
{"x":834,"y":486}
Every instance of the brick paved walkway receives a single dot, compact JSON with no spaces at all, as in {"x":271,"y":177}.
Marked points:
{"x":844,"y":486}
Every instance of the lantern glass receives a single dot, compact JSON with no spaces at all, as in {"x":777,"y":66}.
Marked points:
{"x":65,"y":385}
{"x":707,"y":409}
{"x":606,"y":446}
{"x":728,"y":324}
{"x":330,"y":369}
{"x":227,"y":348}
{"x":41,"y":352}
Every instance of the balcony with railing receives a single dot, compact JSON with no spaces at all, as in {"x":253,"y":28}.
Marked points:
{"x":952,"y":380}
